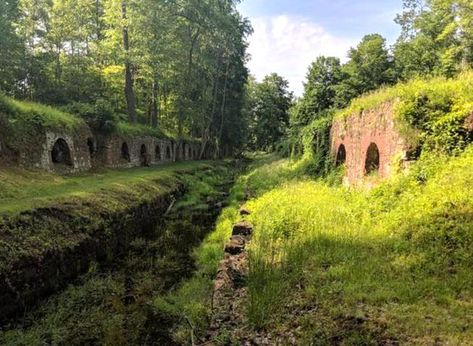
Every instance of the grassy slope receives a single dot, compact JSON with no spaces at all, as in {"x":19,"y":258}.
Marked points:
{"x":84,"y":198}
{"x":92,"y":311}
{"x":23,"y":190}
{"x":24,"y":117}
{"x":362,"y":267}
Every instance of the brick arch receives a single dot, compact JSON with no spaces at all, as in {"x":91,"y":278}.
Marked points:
{"x":61,"y":153}
{"x":372,"y":159}
{"x":341,"y":155}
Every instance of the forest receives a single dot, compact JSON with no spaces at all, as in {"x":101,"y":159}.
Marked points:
{"x":200,"y":205}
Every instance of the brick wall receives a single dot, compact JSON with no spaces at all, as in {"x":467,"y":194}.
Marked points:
{"x":358,"y":132}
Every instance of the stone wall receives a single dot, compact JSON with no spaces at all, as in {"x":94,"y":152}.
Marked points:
{"x":354,"y":142}
{"x":122,"y":151}
{"x":41,"y":152}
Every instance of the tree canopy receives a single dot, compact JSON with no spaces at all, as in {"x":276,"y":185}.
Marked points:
{"x":178,"y":64}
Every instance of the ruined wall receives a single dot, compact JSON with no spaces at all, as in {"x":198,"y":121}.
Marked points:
{"x":80,"y":150}
{"x":142,"y":151}
{"x":359,"y":131}
{"x":38,"y":153}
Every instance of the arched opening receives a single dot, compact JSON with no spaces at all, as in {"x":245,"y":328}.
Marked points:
{"x":372,"y":159}
{"x":189,"y":152}
{"x":157,"y":153}
{"x":92,"y":146}
{"x":168,"y":153}
{"x":125,"y":152}
{"x":61,"y":154}
{"x":341,"y":155}
{"x":144,"y":155}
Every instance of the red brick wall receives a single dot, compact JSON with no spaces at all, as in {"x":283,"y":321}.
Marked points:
{"x":357,"y":132}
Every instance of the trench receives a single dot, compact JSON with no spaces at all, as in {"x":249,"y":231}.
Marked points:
{"x":111,"y":303}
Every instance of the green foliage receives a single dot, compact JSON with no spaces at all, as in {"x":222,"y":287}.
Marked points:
{"x":269,"y":103}
{"x":184,"y":62}
{"x":129,"y":129}
{"x":12,"y":52}
{"x":320,"y":92}
{"x":370,"y":67}
{"x":435,"y":39}
{"x":100,"y":116}
{"x":387,"y":258}
{"x":431,"y":113}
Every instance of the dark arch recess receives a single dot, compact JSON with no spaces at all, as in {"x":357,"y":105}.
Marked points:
{"x":158,"y":153}
{"x":144,"y":155}
{"x":372,"y":159}
{"x":341,"y":155}
{"x":168,"y":153}
{"x":92,"y":146}
{"x":125,"y":152}
{"x":61,"y":154}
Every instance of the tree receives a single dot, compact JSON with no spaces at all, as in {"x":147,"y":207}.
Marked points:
{"x":270,"y":101}
{"x":12,"y":50}
{"x":436,"y":37}
{"x":320,"y":90}
{"x":370,"y":66}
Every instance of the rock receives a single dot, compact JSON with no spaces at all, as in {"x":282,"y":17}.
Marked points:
{"x":236,"y":245}
{"x":244,"y":211}
{"x":243,"y":228}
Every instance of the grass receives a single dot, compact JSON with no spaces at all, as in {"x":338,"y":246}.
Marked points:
{"x":365,"y":267}
{"x":24,"y":190}
{"x":24,"y":116}
{"x":94,"y":310}
{"x":136,"y":130}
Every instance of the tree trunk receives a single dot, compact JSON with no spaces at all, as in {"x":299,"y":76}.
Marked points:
{"x":222,"y":109}
{"x":154,"y":104}
{"x":129,"y":92}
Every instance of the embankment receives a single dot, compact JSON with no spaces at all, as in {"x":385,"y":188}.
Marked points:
{"x":45,"y":248}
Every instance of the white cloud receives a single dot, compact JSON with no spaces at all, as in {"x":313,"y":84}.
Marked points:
{"x":288,"y":44}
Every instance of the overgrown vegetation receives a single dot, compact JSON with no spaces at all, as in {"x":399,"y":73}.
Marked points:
{"x":431,"y":113}
{"x":22,"y":118}
{"x":353,"y":266}
{"x":111,"y":303}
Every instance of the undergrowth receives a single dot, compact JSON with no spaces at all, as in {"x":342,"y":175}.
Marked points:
{"x":351,"y":266}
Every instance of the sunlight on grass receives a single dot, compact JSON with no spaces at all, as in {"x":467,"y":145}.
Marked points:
{"x":22,"y":190}
{"x":384,"y":254}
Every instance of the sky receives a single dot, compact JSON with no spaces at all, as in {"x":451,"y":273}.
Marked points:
{"x":290,"y":34}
